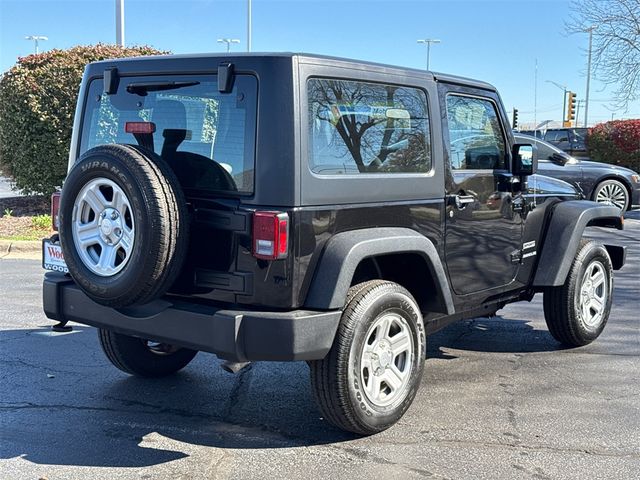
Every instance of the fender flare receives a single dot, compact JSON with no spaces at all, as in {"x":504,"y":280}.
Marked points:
{"x":563,"y":234}
{"x":344,"y":252}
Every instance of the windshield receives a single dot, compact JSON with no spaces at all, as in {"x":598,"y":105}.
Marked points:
{"x":206,"y":137}
{"x":580,"y":137}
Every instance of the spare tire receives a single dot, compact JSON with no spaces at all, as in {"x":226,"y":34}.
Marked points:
{"x":123,"y":225}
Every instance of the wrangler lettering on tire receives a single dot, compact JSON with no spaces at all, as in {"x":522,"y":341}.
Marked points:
{"x":123,"y":225}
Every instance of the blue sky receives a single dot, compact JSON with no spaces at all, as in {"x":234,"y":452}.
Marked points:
{"x":492,"y":40}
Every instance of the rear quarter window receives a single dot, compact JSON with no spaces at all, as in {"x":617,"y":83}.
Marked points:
{"x":367,"y":128}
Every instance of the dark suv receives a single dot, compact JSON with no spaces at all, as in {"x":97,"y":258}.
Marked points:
{"x":296,"y":207}
{"x":570,"y":140}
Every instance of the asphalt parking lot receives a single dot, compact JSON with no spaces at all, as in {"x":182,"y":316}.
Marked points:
{"x":500,"y":400}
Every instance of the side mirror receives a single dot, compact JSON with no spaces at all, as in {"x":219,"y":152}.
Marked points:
{"x":559,"y":158}
{"x":525,"y":160}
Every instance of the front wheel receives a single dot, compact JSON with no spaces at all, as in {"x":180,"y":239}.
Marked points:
{"x":143,"y":358}
{"x":371,"y":375}
{"x":577,"y":312}
{"x":612,"y":192}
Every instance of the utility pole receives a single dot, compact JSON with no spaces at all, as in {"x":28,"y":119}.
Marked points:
{"x":578,"y":103}
{"x":428,"y":42}
{"x":36,"y":39}
{"x":249,"y":26}
{"x":120,"y":22}
{"x":586,"y":100}
{"x":228,"y":41}
{"x":535,"y":99}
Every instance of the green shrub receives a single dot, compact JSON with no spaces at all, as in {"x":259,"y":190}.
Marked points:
{"x":616,"y":142}
{"x":37,"y":103}
{"x":41,"y":221}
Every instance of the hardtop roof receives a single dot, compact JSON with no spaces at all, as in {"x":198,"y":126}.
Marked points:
{"x":302,"y":58}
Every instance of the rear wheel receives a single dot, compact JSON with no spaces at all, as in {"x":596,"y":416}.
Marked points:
{"x":371,"y":375}
{"x":577,"y":312}
{"x":143,"y":358}
{"x":612,"y":192}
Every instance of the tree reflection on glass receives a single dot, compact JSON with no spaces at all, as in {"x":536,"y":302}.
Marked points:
{"x":358,"y":127}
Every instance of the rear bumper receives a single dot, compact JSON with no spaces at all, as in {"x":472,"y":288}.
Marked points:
{"x":238,"y":335}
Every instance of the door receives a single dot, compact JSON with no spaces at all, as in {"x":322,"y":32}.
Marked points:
{"x":483,"y":233}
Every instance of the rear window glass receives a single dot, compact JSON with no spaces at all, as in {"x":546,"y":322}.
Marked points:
{"x":207,"y":137}
{"x":357,"y":127}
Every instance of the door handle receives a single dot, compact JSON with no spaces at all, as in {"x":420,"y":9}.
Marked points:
{"x":463,"y":200}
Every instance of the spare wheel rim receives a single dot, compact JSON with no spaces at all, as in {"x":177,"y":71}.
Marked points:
{"x":103,"y":227}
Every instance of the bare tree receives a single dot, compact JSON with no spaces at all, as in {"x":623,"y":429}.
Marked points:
{"x":616,"y":43}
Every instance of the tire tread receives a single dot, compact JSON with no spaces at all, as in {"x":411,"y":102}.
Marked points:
{"x":327,"y":379}
{"x":558,"y":302}
{"x":128,"y":355}
{"x":168,"y":222}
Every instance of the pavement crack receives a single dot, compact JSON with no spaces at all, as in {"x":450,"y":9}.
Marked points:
{"x":216,"y":470}
{"x":47,"y":368}
{"x":4,"y":406}
{"x":521,"y":446}
{"x":221,"y":418}
{"x":239,"y":390}
{"x":370,"y":457}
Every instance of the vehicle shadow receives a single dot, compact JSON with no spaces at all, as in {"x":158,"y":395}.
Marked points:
{"x":64,"y":404}
{"x":494,"y":335}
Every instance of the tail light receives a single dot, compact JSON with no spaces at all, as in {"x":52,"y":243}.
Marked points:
{"x":270,"y":235}
{"x":55,"y":206}
{"x":139,"y":127}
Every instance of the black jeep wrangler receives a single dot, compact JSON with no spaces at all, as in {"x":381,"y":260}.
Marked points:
{"x":295,"y":207}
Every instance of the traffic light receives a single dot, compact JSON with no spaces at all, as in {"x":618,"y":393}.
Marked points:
{"x":514,"y":123}
{"x":571,"y":109}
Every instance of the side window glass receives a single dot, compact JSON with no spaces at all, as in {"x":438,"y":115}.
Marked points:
{"x":475,"y":135}
{"x":544,"y":151}
{"x":357,"y":127}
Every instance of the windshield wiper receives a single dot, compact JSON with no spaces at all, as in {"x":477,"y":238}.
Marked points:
{"x":143,"y":88}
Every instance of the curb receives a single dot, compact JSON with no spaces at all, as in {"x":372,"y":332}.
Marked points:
{"x":20,"y":248}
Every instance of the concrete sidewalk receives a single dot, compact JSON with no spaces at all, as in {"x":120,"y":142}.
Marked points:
{"x":20,"y":249}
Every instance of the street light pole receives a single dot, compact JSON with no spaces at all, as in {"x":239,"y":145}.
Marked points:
{"x":249,"y":26}
{"x":228,"y":41}
{"x":36,"y":39}
{"x":428,"y":42}
{"x":586,"y":99}
{"x":120,"y":22}
{"x":564,"y":99}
